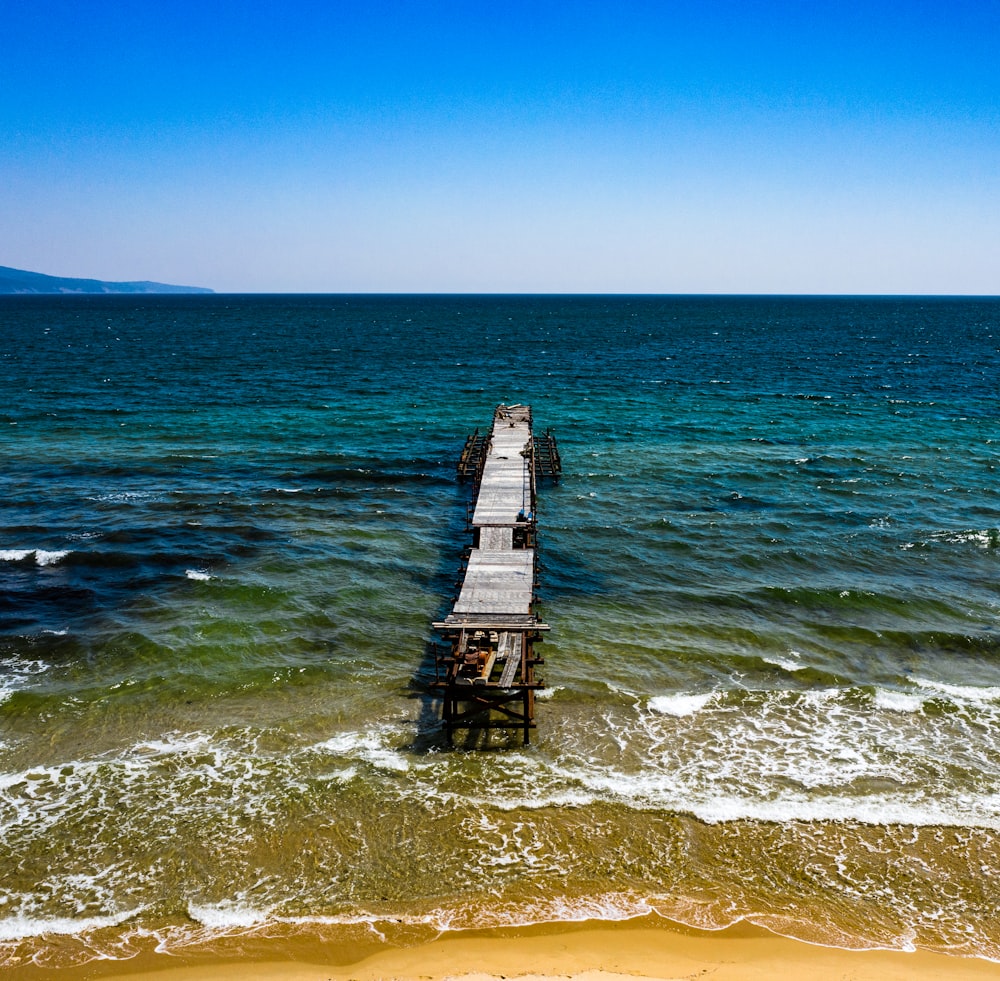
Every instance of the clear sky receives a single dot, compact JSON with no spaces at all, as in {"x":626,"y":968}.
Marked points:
{"x":401,"y":145}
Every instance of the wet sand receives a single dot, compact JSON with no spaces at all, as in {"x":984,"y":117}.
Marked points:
{"x":583,"y":952}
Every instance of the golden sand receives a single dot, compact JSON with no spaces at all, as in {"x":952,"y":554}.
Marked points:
{"x":585,"y":952}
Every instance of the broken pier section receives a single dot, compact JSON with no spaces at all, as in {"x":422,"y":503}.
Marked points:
{"x":486,"y":671}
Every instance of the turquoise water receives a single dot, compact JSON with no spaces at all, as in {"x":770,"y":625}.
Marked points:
{"x":771,"y":571}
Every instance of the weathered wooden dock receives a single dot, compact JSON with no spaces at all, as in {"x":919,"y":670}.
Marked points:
{"x":486,"y":670}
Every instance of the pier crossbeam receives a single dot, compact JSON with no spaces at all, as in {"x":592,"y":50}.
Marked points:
{"x":488,"y":665}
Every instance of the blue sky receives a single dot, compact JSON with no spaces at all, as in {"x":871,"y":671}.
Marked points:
{"x":760,"y":146}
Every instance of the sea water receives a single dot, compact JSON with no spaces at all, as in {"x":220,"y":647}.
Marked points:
{"x":771,"y":569}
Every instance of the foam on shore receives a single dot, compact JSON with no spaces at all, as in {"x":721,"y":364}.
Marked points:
{"x":649,"y":948}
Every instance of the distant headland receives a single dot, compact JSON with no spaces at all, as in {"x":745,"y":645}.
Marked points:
{"x":21,"y":281}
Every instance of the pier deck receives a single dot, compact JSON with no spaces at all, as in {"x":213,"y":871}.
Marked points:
{"x":486,"y":673}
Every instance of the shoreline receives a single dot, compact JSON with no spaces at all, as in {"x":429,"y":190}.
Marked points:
{"x":646,"y":947}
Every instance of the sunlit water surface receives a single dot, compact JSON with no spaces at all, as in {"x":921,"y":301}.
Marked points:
{"x":771,"y":568}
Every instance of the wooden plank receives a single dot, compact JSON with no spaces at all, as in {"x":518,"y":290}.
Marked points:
{"x":456,"y":622}
{"x":505,"y":486}
{"x":504,"y":641}
{"x":487,"y":670}
{"x":513,"y":661}
{"x":498,"y":582}
{"x":493,"y":539}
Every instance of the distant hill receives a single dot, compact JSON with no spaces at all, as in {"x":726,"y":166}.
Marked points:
{"x":20,"y":281}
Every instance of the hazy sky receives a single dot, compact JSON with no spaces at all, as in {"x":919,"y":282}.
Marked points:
{"x":753,"y":146}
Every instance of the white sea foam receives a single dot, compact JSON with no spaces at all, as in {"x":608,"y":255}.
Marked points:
{"x":973,"y":694}
{"x":715,"y":799}
{"x":20,"y":666}
{"x":546,"y":693}
{"x":368,"y":746}
{"x":17,"y":674}
{"x":603,"y":907}
{"x":544,"y":797}
{"x":339,"y":776}
{"x":197,"y":575}
{"x":831,"y":754}
{"x":227,"y":915}
{"x":40,"y":556}
{"x":20,"y":927}
{"x":679,"y":705}
{"x":988,"y":538}
{"x":228,"y":919}
{"x":817,"y":697}
{"x":50,"y":558}
{"x":896,"y":701}
{"x":751,"y":771}
{"x":15,"y":554}
{"x":123,"y":497}
{"x":176,"y":743}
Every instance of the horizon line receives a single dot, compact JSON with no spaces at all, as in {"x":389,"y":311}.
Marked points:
{"x":516,"y":293}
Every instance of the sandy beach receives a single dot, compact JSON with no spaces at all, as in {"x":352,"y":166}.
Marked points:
{"x":646,"y":948}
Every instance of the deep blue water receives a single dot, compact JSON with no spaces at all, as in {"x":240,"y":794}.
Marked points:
{"x":771,"y":568}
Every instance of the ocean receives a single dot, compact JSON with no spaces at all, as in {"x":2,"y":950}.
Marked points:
{"x":771,"y":568}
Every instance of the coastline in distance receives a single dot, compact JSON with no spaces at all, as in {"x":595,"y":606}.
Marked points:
{"x":22,"y":281}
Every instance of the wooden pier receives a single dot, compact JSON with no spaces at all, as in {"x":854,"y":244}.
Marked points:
{"x":486,"y":670}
